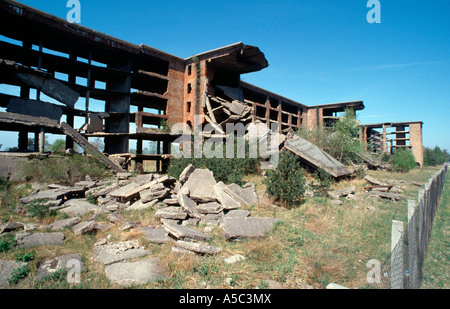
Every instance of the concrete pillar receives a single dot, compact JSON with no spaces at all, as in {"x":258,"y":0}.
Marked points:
{"x":397,"y":255}
{"x":415,"y":137}
{"x":412,"y":245}
{"x":42,"y":140}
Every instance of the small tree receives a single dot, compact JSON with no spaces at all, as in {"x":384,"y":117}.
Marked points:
{"x":286,"y":183}
{"x":404,"y":160}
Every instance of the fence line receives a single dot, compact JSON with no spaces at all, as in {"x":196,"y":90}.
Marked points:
{"x":403,"y":269}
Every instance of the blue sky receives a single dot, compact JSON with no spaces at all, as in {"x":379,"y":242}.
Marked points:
{"x":319,"y":51}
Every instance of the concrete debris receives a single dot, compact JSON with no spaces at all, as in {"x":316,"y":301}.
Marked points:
{"x":66,"y":262}
{"x":201,"y":183}
{"x":181,"y":205}
{"x":383,"y":190}
{"x":78,"y":207}
{"x":7,"y":269}
{"x":41,"y":239}
{"x":139,"y":272}
{"x":196,"y":247}
{"x":313,"y":156}
{"x":342,"y":193}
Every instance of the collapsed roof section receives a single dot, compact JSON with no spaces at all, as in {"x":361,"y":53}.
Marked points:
{"x":236,"y":58}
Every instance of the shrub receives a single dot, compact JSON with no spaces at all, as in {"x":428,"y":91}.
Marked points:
{"x":286,"y":183}
{"x":7,"y":243}
{"x":228,"y":170}
{"x":339,"y":140}
{"x":403,"y":160}
{"x":323,"y":182}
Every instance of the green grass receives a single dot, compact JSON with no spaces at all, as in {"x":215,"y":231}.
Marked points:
{"x":437,"y":262}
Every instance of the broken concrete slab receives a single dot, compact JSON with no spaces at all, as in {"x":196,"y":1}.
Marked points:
{"x":185,"y":233}
{"x":210,"y":208}
{"x":153,"y":193}
{"x":62,"y":224}
{"x":90,"y":227}
{"x":51,"y":87}
{"x":246,"y":197}
{"x":175,"y":213}
{"x":53,"y":194}
{"x":200,"y":184}
{"x":109,"y":253}
{"x":188,"y":205}
{"x":41,"y":239}
{"x":213,"y":218}
{"x":312,"y":155}
{"x":10,"y":227}
{"x":237,"y":213}
{"x":225,"y":199}
{"x":67,"y":262}
{"x":386,"y":195}
{"x":6,"y":271}
{"x":102,"y":191}
{"x":126,"y":192}
{"x":341,"y":193}
{"x":184,"y":176}
{"x":139,"y":272}
{"x":375,"y":182}
{"x":139,"y":205}
{"x":157,"y":235}
{"x":78,"y":207}
{"x":251,"y":227}
{"x":34,"y":108}
{"x":196,"y":247}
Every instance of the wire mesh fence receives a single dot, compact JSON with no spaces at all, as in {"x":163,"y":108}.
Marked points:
{"x":402,"y":269}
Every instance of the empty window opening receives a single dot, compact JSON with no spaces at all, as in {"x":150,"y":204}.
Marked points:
{"x":188,"y":107}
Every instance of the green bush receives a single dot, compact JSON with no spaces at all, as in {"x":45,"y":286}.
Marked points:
{"x":228,"y":170}
{"x":323,"y":182}
{"x":286,"y":183}
{"x":403,"y":160}
{"x":7,"y":243}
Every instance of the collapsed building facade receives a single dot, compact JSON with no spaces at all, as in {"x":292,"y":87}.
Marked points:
{"x":142,"y":91}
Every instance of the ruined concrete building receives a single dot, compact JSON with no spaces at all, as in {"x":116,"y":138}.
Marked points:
{"x":142,"y":90}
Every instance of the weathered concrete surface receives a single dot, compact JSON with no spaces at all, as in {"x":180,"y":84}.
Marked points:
{"x":209,"y":208}
{"x":200,"y":184}
{"x":67,"y":262}
{"x":251,"y":227}
{"x":6,"y":270}
{"x":78,"y":207}
{"x":237,"y":213}
{"x":62,"y":224}
{"x":90,"y":227}
{"x":196,"y":247}
{"x":172,"y":212}
{"x":41,"y":239}
{"x":108,"y":253}
{"x":224,"y":199}
{"x":184,"y":176}
{"x":246,"y":197}
{"x":316,"y":157}
{"x":156,"y":235}
{"x":185,"y":233}
{"x":139,"y":272}
{"x":187,"y":204}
